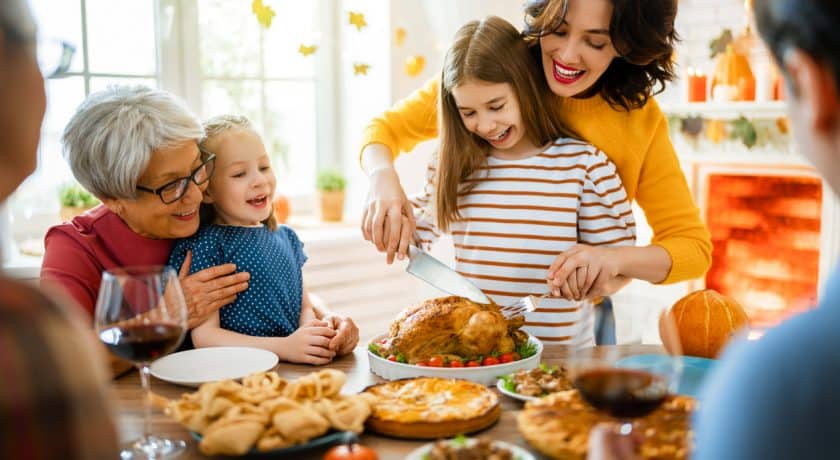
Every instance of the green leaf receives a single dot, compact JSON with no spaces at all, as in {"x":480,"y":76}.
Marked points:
{"x":744,"y":129}
{"x":508,"y":383}
{"x":330,"y":181}
{"x":718,"y":44}
{"x":374,"y":348}
{"x":460,"y":441}
{"x":401,"y":358}
{"x":546,"y":368}
{"x":527,"y":349}
{"x":74,"y":195}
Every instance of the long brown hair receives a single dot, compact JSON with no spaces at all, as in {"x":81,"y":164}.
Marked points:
{"x":642,"y":32}
{"x":491,"y":50}
{"x":213,"y":128}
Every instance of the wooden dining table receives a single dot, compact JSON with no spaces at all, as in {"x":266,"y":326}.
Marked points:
{"x":127,"y":399}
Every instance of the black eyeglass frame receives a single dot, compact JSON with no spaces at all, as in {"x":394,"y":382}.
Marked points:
{"x":209,"y":162}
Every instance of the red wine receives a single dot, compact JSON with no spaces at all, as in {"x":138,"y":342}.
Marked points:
{"x":623,"y":393}
{"x":141,"y":342}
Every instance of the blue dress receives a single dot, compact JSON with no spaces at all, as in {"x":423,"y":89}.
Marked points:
{"x":270,"y":307}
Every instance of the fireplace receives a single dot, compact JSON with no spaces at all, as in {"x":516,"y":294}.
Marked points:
{"x":765,"y":228}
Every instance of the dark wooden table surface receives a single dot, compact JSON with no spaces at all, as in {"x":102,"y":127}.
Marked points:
{"x":127,"y":398}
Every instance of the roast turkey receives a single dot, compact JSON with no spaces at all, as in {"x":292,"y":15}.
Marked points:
{"x":453,"y":326}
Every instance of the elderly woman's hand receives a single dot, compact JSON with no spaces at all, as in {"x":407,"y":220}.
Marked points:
{"x":585,"y":271}
{"x":210,"y":289}
{"x":347,"y":334}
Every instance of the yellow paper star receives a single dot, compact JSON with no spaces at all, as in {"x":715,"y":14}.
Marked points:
{"x":263,"y":12}
{"x":360,"y":69}
{"x":307,"y":50}
{"x":414,"y":65}
{"x":399,"y":36}
{"x":358,"y":20}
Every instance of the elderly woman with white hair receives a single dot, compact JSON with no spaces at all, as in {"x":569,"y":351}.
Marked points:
{"x":136,"y":149}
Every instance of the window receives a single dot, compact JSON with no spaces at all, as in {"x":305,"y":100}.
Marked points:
{"x":213,"y":54}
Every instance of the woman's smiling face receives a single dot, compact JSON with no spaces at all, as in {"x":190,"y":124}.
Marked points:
{"x":576,"y":54}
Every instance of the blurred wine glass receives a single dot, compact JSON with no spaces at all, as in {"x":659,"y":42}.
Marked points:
{"x":625,"y":382}
{"x":141,"y":315}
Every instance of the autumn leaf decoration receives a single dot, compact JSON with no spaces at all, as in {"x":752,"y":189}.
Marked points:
{"x":360,"y":69}
{"x":718,"y":44}
{"x":744,"y":129}
{"x":307,"y":50}
{"x":358,"y":20}
{"x":264,"y":13}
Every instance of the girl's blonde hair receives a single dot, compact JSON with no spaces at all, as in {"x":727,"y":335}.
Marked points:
{"x":491,"y":50}
{"x":213,"y":128}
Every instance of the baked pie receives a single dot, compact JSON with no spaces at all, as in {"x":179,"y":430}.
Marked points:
{"x":558,"y":426}
{"x":431,"y":407}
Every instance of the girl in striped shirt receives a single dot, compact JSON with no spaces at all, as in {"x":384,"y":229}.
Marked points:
{"x":510,"y":184}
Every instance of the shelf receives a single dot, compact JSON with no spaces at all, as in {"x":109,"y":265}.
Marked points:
{"x":727,"y":110}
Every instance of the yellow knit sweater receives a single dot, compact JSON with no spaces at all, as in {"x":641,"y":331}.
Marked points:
{"x":637,"y":142}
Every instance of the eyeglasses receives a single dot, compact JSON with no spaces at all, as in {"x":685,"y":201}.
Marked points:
{"x":55,"y":57}
{"x":175,"y":190}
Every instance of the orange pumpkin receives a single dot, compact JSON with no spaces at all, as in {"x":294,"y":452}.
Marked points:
{"x":281,"y":209}
{"x":705,"y":321}
{"x":733,"y":70}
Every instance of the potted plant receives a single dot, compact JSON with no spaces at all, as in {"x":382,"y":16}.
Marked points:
{"x":75,"y":200}
{"x":330,"y":185}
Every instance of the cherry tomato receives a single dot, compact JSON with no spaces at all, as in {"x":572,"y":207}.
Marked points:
{"x":516,"y":356}
{"x":473,"y":364}
{"x":436,"y":361}
{"x":490,"y":361}
{"x":456,"y":363}
{"x":392,"y":358}
{"x":421,"y":363}
{"x":351,"y":452}
{"x":506,"y":358}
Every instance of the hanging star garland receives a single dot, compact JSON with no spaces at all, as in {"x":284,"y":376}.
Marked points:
{"x":399,"y":36}
{"x":360,"y":69}
{"x":307,"y":50}
{"x":264,"y":13}
{"x":358,"y":20}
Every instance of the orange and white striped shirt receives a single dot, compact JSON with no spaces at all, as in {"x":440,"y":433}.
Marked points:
{"x":521,"y":214}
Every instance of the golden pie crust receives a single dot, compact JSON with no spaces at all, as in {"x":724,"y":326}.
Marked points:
{"x":558,"y":426}
{"x":431,"y":407}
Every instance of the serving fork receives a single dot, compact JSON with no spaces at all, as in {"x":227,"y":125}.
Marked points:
{"x":522,"y":306}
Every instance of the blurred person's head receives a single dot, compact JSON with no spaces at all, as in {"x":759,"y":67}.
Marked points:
{"x":492,"y":100}
{"x":241,"y":190}
{"x":804,"y":37}
{"x":136,"y":149}
{"x":22,"y":97}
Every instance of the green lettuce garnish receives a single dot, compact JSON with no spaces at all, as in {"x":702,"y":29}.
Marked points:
{"x":508,"y":383}
{"x":527,"y":349}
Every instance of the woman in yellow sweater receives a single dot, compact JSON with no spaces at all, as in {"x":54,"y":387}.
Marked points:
{"x":605,"y":58}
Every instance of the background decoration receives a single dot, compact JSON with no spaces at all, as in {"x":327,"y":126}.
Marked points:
{"x":307,"y":50}
{"x":414,"y":65}
{"x":264,"y":13}
{"x":358,"y":20}
{"x":399,"y":36}
{"x":360,"y":69}
{"x":748,"y":132}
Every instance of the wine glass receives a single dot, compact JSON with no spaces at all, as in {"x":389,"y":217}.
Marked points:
{"x":141,"y":315}
{"x":625,"y":381}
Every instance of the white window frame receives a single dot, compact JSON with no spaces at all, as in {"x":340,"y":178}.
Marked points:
{"x":178,"y":70}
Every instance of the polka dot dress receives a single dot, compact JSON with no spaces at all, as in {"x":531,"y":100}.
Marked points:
{"x":270,"y":307}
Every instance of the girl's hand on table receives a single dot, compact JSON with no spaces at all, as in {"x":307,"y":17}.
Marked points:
{"x":309,"y":344}
{"x":347,"y":334}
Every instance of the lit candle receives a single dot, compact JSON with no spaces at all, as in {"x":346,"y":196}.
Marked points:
{"x":696,"y":85}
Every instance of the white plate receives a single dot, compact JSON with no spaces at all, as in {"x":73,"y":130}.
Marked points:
{"x":518,"y":452}
{"x":500,"y":385}
{"x":484,"y":375}
{"x":202,"y":365}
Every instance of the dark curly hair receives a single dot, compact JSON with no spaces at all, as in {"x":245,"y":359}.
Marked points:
{"x":643,"y":34}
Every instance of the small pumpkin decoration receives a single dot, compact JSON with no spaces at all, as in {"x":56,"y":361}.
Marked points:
{"x":733,"y":79}
{"x":351,"y":452}
{"x":705,"y":321}
{"x":281,"y":209}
